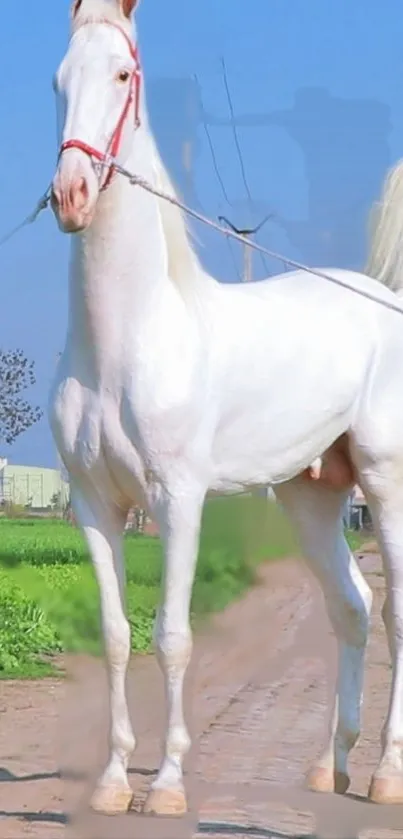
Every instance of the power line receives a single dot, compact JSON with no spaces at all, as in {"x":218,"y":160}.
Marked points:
{"x":239,"y":150}
{"x":217,"y":171}
{"x":210,"y":142}
{"x":234,"y":129}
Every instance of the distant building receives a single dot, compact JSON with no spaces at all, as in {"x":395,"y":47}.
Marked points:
{"x":32,"y":486}
{"x":357,"y":513}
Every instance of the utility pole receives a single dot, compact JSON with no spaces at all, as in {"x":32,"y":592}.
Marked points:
{"x":187,"y":156}
{"x":246,"y":233}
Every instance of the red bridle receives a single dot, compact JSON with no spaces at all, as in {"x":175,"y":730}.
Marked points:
{"x":116,"y":139}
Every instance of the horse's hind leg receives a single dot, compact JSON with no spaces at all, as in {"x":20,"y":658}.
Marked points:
{"x":316,"y":513}
{"x":383,"y":480}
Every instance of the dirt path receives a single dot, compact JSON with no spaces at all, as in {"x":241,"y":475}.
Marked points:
{"x":259,"y":686}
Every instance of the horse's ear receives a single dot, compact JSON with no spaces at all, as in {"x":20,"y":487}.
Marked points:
{"x":128,"y":7}
{"x":75,"y":7}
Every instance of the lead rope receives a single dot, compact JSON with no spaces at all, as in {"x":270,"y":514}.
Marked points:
{"x":136,"y":180}
{"x":41,"y":205}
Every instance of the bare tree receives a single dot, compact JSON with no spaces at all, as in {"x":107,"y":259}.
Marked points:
{"x":16,"y":413}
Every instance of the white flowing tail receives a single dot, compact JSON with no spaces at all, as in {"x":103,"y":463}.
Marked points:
{"x":385,"y":261}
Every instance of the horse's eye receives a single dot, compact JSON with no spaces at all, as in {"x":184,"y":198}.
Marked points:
{"x":123,"y":76}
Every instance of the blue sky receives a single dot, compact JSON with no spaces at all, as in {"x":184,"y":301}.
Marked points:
{"x":317,"y":91}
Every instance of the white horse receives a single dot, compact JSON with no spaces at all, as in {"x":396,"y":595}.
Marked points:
{"x":172,"y":386}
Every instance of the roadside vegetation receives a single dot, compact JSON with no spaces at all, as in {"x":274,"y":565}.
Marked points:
{"x":48,"y":594}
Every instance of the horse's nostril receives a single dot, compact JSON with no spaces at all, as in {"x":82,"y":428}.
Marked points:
{"x":78,"y":194}
{"x":56,"y":197}
{"x":83,"y":188}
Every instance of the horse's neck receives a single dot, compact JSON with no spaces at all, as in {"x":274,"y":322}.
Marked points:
{"x":119,"y":266}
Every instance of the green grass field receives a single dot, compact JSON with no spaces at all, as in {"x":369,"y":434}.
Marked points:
{"x":48,"y":594}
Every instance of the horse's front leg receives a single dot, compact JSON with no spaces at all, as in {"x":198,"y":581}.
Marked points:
{"x":102,"y":525}
{"x":178,"y":514}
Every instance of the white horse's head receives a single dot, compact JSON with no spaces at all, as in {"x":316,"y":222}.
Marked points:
{"x":98,"y":97}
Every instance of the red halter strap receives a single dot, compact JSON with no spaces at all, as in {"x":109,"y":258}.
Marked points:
{"x":133,"y":96}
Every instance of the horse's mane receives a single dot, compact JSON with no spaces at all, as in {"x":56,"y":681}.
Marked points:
{"x":385,"y":260}
{"x":183,"y":261}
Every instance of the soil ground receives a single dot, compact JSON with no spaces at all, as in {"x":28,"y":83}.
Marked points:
{"x":258,"y":689}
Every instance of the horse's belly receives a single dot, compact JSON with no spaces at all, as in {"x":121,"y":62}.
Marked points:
{"x":277,"y":431}
{"x":264,"y":460}
{"x":288,"y":394}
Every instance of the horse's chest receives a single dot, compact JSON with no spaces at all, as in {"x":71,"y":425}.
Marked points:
{"x":90,"y":434}
{"x":118,"y":440}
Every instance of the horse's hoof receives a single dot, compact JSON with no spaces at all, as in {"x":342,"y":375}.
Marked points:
{"x":321,"y":779}
{"x":386,"y":790}
{"x":165,"y":802}
{"x":111,"y":800}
